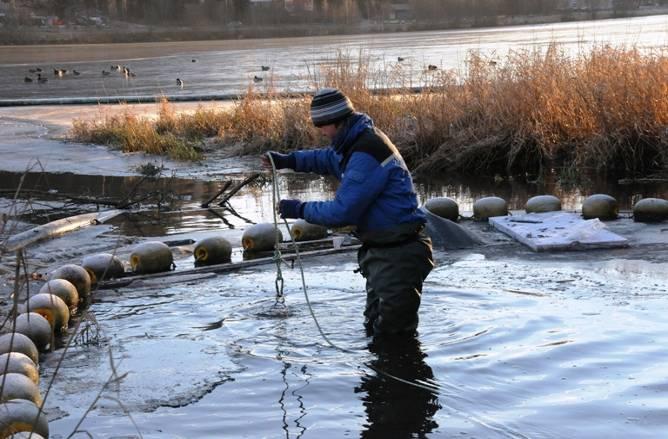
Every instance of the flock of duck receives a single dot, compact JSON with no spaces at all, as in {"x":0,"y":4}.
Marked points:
{"x":122,"y":69}
{"x":125,"y":72}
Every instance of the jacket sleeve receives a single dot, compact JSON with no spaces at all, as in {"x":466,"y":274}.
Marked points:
{"x":320,"y":161}
{"x":363,"y":180}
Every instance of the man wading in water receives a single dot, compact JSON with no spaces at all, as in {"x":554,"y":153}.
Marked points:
{"x":376,"y":196}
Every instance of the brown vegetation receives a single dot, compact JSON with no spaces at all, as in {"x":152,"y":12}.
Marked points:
{"x":603,"y":110}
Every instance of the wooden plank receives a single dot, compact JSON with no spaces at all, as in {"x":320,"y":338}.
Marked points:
{"x":56,"y":228}
{"x":557,"y":231}
{"x":223,"y":268}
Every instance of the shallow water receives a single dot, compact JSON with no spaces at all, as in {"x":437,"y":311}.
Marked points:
{"x":516,"y":348}
{"x":228,"y":67}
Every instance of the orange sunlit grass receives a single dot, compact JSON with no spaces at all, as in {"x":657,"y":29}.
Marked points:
{"x":603,"y":110}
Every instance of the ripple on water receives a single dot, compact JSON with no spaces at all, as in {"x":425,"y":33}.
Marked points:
{"x":583,"y":358}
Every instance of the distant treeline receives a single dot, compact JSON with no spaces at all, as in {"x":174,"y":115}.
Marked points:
{"x":259,"y":12}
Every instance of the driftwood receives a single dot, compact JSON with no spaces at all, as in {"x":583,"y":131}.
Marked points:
{"x":56,"y":228}
{"x":236,"y":188}
{"x":220,"y":192}
{"x":62,"y":196}
{"x":222,"y":268}
{"x":647,"y":180}
{"x":124,"y":203}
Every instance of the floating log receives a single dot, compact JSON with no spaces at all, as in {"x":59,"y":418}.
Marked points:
{"x":56,"y":228}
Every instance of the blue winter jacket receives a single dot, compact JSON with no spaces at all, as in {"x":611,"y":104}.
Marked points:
{"x":376,"y":191}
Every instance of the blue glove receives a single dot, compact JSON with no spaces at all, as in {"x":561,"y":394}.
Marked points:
{"x":291,"y":209}
{"x":283,"y":161}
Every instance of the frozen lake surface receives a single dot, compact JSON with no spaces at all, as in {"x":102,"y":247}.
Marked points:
{"x":229,"y":66}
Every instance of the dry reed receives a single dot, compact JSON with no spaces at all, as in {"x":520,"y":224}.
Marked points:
{"x":602,"y":110}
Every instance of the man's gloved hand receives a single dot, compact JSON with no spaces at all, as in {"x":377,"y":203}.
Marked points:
{"x":281,"y":161}
{"x":291,"y":209}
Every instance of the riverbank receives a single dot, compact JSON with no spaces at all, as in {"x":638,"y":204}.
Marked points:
{"x":122,"y":32}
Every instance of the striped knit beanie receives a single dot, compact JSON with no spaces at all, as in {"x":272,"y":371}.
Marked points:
{"x":329,"y":106}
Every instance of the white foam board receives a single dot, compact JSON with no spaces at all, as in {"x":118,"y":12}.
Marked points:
{"x":557,"y":231}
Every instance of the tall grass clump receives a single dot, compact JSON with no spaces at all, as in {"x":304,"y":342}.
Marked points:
{"x":258,"y":123}
{"x":602,"y":110}
{"x":133,"y":133}
{"x":605,"y":110}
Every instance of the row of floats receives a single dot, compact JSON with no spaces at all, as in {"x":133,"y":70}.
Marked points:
{"x":33,"y":330}
{"x":600,"y":206}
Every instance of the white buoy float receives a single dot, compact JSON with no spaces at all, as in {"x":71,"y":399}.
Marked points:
{"x":103,"y":266}
{"x":443,"y":207}
{"x":650,"y":210}
{"x":151,"y":257}
{"x":52,"y":307}
{"x":213,"y":250}
{"x":302,"y":230}
{"x":14,"y":342}
{"x":16,"y":362}
{"x":601,"y":206}
{"x":487,"y":207}
{"x":63,"y":289}
{"x":77,"y":275}
{"x":36,"y":327}
{"x":19,"y":386}
{"x":19,"y":415}
{"x":543,"y":203}
{"x":260,"y":237}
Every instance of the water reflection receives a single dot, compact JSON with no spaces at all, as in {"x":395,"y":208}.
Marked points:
{"x":290,"y":394}
{"x":395,"y":409}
